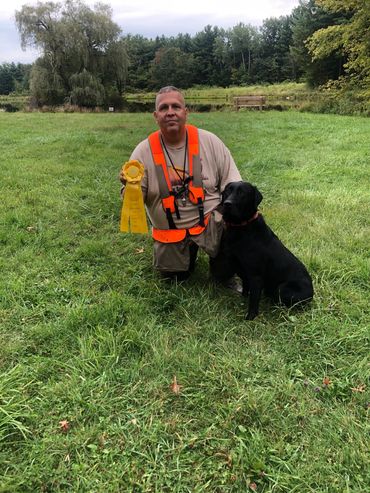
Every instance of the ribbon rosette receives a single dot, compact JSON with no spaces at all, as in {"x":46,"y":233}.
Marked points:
{"x":133,"y":213}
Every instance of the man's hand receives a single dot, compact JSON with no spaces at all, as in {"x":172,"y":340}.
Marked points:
{"x":122,"y":178}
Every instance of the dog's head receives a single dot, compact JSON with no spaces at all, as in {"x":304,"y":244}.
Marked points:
{"x":240,"y":201}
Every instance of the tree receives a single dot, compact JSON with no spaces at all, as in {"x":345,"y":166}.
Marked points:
{"x":244,"y":42}
{"x":171,"y":66}
{"x":73,"y":38}
{"x":307,"y":18}
{"x":6,"y":79}
{"x":350,"y":39}
{"x":86,"y":90}
{"x":14,"y":77}
{"x":275,"y":62}
{"x":140,"y":52}
{"x":203,"y":51}
{"x":222,"y":59}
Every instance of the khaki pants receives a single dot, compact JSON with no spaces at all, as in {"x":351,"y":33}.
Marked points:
{"x":178,"y":257}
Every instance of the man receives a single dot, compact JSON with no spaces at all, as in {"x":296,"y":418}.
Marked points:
{"x":186,"y":170}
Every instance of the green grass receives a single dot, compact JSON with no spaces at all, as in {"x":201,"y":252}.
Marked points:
{"x":204,"y":92}
{"x":89,"y":334}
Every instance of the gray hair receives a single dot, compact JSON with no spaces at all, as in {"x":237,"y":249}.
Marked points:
{"x":166,"y":89}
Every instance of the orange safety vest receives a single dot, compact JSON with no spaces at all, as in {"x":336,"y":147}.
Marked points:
{"x":195,"y":187}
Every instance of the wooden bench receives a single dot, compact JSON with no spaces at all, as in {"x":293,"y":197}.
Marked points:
{"x":249,"y":102}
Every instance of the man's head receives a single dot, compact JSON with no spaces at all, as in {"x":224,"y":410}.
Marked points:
{"x":171,"y":113}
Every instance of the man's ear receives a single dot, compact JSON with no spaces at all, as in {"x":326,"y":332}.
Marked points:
{"x":257,"y":197}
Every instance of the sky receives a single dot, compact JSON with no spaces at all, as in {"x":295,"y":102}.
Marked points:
{"x":152,"y":18}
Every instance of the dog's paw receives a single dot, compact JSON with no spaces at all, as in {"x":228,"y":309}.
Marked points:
{"x":251,"y":315}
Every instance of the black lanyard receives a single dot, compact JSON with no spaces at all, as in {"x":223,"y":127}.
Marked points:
{"x":182,"y":179}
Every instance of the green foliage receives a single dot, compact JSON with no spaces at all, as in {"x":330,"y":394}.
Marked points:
{"x":350,"y":38}
{"x":73,"y":38}
{"x":275,"y":63}
{"x":213,"y":56}
{"x":86,"y":90}
{"x":316,"y":43}
{"x":14,"y":77}
{"x":171,"y":66}
{"x":244,"y":41}
{"x":203,"y":51}
{"x":89,"y":334}
{"x":46,"y":87}
{"x":306,"y":19}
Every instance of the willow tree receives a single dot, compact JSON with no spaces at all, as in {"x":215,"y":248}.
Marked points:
{"x":73,"y":39}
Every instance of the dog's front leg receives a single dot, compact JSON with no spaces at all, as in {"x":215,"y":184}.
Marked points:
{"x":255,"y":292}
{"x":245,"y":291}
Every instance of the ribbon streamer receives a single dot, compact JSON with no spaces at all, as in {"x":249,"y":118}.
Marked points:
{"x":133,"y":216}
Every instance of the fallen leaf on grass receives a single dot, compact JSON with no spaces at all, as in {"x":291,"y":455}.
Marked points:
{"x":326,"y":381}
{"x":64,"y":425}
{"x":102,"y":440}
{"x":175,"y":387}
{"x":139,"y":250}
{"x":253,"y":486}
{"x":359,"y":388}
{"x":227,"y":457}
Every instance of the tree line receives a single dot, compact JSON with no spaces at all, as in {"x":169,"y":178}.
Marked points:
{"x":87,"y":61}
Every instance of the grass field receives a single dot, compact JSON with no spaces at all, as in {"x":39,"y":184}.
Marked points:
{"x":91,"y":339}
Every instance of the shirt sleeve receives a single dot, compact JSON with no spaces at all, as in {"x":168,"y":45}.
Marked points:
{"x":226,"y":167}
{"x":228,"y":170}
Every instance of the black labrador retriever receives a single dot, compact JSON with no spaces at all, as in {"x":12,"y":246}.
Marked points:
{"x":251,"y":249}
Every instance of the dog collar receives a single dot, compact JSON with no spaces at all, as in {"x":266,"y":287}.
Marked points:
{"x":243,"y":223}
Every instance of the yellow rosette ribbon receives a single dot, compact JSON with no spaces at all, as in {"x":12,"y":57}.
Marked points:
{"x":133,"y":216}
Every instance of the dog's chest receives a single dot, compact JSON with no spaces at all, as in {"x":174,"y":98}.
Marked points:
{"x":241,"y":243}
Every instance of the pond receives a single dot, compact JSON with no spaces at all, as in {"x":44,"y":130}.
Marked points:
{"x":137,"y":106}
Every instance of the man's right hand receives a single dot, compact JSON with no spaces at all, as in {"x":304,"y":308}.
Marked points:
{"x":122,"y":178}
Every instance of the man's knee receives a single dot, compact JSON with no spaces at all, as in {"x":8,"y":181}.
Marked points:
{"x":175,"y":260}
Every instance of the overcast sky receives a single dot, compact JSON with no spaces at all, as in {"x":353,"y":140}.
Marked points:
{"x":152,"y":18}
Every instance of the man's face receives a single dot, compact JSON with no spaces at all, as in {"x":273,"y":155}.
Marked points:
{"x":171,"y":113}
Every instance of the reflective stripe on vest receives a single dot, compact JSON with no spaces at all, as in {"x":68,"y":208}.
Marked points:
{"x":195,"y":187}
{"x":175,"y":235}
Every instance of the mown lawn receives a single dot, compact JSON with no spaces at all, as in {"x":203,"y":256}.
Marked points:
{"x":91,"y":336}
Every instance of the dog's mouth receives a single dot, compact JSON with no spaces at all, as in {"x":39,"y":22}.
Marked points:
{"x":230,"y":214}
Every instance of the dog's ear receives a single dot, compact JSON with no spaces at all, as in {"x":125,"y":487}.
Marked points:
{"x":257,"y":197}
